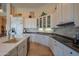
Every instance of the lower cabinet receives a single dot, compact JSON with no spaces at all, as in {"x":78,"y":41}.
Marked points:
{"x":20,"y":50}
{"x":42,"y":39}
{"x":57,"y":48}
{"x":60,"y":49}
{"x":12,"y":52}
{"x":70,"y":52}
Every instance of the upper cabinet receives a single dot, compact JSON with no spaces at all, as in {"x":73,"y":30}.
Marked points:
{"x":44,"y":23}
{"x":76,"y":14}
{"x":65,"y":13}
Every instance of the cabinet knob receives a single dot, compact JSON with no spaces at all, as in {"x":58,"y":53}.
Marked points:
{"x":70,"y":52}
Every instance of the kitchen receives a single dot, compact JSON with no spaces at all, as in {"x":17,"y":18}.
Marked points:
{"x":53,"y":25}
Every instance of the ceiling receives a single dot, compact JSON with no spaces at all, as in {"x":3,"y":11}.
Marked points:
{"x":28,"y":5}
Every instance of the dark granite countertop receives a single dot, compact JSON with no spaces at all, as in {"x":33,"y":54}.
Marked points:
{"x":60,"y":38}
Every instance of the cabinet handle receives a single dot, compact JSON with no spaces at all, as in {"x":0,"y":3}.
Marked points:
{"x":70,"y":52}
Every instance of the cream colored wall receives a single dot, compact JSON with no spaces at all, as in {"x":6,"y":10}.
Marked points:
{"x":24,"y":11}
{"x":48,"y":8}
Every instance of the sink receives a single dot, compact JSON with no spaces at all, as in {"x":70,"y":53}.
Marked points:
{"x":11,"y":41}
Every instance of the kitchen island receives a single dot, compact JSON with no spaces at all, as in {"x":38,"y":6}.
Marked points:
{"x":13,"y":49}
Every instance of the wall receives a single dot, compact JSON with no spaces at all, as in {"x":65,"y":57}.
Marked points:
{"x":48,"y":8}
{"x":24,"y":11}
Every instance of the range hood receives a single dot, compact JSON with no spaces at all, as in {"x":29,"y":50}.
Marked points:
{"x":66,"y":24}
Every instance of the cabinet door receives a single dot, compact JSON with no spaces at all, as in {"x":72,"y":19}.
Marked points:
{"x":49,"y":21}
{"x":57,"y":48}
{"x":21,"y":49}
{"x":13,"y":52}
{"x":67,"y":12}
{"x":58,"y":14}
{"x":76,"y":14}
{"x":37,"y":23}
{"x":58,"y":51}
{"x":70,"y":52}
{"x":44,"y":22}
{"x":24,"y":48}
{"x":41,"y":23}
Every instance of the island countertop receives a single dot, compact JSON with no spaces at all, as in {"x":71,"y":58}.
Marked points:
{"x":7,"y":47}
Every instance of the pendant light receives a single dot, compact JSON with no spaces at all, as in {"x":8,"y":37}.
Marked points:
{"x":1,"y":8}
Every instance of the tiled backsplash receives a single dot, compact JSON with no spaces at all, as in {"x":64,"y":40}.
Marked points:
{"x":67,"y":31}
{"x":31,"y":30}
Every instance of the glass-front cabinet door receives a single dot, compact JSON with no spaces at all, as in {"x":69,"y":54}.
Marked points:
{"x":48,"y":21}
{"x":37,"y":23}
{"x":44,"y":22}
{"x":40,"y":22}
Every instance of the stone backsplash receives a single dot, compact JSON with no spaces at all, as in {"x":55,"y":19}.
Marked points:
{"x":69,"y":31}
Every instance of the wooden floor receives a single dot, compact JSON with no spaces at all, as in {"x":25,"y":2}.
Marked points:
{"x":39,"y":50}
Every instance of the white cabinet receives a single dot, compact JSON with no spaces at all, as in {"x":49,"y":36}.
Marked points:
{"x":63,"y":13}
{"x":30,"y":23}
{"x":76,"y":14}
{"x":42,"y":39}
{"x":44,"y":22}
{"x":60,"y":49}
{"x":13,"y":52}
{"x":67,"y":12}
{"x":70,"y":52}
{"x":57,"y":48}
{"x":22,"y":49}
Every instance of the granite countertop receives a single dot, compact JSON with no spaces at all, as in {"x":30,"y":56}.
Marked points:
{"x":66,"y":41}
{"x":62,"y":39}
